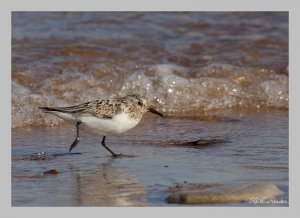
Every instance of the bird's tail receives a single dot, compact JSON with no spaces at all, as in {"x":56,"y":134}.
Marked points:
{"x":49,"y":109}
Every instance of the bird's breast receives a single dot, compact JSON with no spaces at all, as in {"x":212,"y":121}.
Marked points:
{"x":124,"y":122}
{"x":103,"y":126}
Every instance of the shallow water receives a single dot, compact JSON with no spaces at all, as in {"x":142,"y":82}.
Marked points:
{"x":255,"y":149}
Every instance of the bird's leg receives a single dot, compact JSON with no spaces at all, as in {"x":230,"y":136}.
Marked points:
{"x":77,"y":137}
{"x":107,"y":148}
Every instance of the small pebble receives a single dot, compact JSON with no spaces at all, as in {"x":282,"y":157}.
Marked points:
{"x":51,"y":172}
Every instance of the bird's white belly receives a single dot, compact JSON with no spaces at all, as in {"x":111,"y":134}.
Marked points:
{"x":104,"y":126}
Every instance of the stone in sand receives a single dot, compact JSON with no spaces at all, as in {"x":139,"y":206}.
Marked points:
{"x":226,"y":194}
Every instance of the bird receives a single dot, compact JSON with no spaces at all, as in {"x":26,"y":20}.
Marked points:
{"x":104,"y":117}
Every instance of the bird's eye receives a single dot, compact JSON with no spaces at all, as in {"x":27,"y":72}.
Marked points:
{"x":140,"y":103}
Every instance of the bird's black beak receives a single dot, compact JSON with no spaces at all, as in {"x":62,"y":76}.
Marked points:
{"x":155,"y":111}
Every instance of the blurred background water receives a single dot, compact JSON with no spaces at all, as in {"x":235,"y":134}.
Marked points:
{"x":186,"y":64}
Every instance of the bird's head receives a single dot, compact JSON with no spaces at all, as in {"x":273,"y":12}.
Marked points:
{"x":141,"y":103}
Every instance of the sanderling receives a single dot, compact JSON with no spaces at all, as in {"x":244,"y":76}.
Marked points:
{"x":104,"y":117}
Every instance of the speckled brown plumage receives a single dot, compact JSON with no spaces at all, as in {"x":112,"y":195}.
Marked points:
{"x":134,"y":105}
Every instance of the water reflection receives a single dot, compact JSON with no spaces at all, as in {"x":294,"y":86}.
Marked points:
{"x":76,"y":183}
{"x":106,"y":186}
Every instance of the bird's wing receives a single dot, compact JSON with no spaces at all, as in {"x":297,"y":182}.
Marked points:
{"x":98,"y":108}
{"x":102,"y":108}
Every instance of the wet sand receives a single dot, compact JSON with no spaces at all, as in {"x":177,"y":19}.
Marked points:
{"x":253,"y":148}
